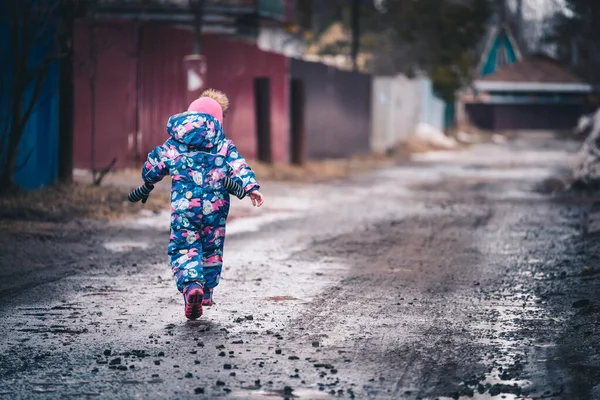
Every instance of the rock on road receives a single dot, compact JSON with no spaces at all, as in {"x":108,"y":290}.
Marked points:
{"x":454,"y":276}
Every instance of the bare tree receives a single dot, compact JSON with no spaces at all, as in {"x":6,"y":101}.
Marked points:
{"x":94,"y":51}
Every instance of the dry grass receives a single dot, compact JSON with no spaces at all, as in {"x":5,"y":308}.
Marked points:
{"x":62,"y":203}
{"x":417,"y":145}
{"x":320,"y":171}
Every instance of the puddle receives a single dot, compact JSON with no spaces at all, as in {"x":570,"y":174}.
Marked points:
{"x":253,"y":224}
{"x":235,"y":224}
{"x":494,"y":387}
{"x":43,"y":390}
{"x":295,"y":394}
{"x":494,"y":378}
{"x":282,"y":298}
{"x":123,"y":246}
{"x":485,"y":396}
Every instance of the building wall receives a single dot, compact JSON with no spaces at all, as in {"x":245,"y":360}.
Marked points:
{"x":501,"y":117}
{"x":537,"y":116}
{"x":162,"y":81}
{"x":338,"y":109}
{"x":400,"y":104}
{"x":480,"y":115}
{"x":141,"y":80}
{"x":432,"y":107}
{"x":396,"y":110}
{"x":232,"y":68}
{"x":114,"y":75}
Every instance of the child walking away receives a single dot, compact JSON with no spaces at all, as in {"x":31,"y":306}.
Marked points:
{"x":205,"y":167}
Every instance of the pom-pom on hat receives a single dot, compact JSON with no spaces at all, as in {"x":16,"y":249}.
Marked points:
{"x":219,"y":97}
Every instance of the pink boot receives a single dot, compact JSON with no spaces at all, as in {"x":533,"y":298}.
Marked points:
{"x":207,"y":300}
{"x":193,"y":294}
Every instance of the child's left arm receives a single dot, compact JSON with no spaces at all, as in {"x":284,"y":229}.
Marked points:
{"x":242,"y":174}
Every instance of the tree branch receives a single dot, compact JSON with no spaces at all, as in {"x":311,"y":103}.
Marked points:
{"x":102,"y":174}
{"x":35,"y":95}
{"x":26,"y":160}
{"x":42,"y":68}
{"x":41,"y":101}
{"x":39,"y":25}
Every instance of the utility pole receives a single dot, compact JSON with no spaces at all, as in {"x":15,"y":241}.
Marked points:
{"x":355,"y":33}
{"x":197,"y":7}
{"x":195,"y":64}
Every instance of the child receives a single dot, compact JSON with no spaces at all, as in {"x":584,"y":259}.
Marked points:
{"x":198,"y":157}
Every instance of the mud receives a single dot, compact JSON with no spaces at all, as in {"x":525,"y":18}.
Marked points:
{"x":459,"y":275}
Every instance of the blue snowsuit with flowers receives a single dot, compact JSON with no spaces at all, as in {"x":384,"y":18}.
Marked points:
{"x":197,"y":156}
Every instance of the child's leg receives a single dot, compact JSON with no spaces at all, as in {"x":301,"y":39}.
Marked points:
{"x":185,"y":252}
{"x":213,"y":239}
{"x":212,"y":255}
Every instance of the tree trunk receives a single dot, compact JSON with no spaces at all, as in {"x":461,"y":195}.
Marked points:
{"x":7,"y":182}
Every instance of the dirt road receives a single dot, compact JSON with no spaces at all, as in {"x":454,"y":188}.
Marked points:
{"x":456,"y":276}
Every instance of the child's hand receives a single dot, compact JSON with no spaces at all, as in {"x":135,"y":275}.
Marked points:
{"x":141,"y":193}
{"x":257,"y":198}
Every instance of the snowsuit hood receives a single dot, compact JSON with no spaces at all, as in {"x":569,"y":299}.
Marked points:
{"x":197,"y":131}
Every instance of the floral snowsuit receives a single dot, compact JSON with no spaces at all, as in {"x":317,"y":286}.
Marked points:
{"x":197,"y":156}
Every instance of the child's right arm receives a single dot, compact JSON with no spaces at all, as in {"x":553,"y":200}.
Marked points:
{"x":157,"y":165}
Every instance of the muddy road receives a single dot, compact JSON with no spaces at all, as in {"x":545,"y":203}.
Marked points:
{"x":456,"y":276}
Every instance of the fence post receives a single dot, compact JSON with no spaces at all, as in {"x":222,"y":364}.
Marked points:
{"x":66,"y":99}
{"x":262,"y":101}
{"x":298,"y":124}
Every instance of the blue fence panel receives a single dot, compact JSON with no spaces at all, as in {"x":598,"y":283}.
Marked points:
{"x":37,"y":164}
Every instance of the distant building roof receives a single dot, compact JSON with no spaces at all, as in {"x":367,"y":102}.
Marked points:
{"x":215,"y":11}
{"x":538,"y":69}
{"x":537,"y":74}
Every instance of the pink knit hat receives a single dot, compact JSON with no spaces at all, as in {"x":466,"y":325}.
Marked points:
{"x":206,"y":105}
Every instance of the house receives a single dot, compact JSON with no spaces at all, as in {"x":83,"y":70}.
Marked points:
{"x":537,"y":93}
{"x":512,"y":92}
{"x":132,"y":73}
{"x":127,"y":75}
{"x":135,"y":66}
{"x":137,"y":62}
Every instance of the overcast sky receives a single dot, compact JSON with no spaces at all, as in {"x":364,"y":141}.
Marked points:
{"x":539,"y":9}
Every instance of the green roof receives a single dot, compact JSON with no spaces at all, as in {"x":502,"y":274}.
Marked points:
{"x":501,"y":50}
